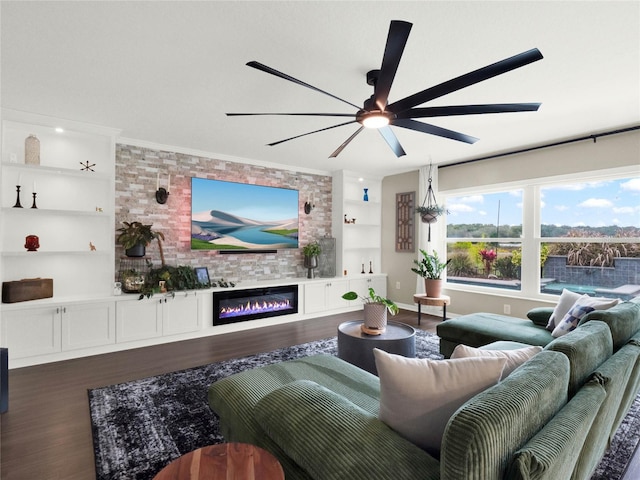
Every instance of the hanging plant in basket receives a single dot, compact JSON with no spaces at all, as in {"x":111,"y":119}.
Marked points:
{"x":430,"y":210}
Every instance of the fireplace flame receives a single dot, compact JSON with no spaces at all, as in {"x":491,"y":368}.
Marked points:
{"x":254,"y":307}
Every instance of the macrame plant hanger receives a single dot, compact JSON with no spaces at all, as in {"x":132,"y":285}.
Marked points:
{"x":430,"y":201}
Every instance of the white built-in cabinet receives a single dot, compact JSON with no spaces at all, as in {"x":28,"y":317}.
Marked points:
{"x":359,"y":243}
{"x":39,"y":331}
{"x":361,"y":285}
{"x":325,"y":296}
{"x":74,"y":218}
{"x":158,"y":316}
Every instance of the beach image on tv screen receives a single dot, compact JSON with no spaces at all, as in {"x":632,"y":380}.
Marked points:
{"x":239,"y":216}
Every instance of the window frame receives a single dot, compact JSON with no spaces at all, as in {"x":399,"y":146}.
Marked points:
{"x":531,"y":238}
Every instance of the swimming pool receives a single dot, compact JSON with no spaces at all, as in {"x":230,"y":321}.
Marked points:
{"x":556,"y":288}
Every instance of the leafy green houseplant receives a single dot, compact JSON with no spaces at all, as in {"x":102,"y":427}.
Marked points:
{"x":375,"y":311}
{"x":430,"y":268}
{"x":135,"y":237}
{"x":311,"y":252}
{"x":182,"y":277}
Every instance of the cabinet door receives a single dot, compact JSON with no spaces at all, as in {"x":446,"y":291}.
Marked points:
{"x":314,"y":297}
{"x":31,"y":332}
{"x":180,"y":314}
{"x":138,"y":319}
{"x":88,"y":325}
{"x":334,"y":291}
{"x":361,"y":286}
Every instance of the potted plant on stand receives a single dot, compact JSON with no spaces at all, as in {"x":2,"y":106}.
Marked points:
{"x":135,"y":237}
{"x":311,"y":252}
{"x":375,"y":311}
{"x":430,"y":268}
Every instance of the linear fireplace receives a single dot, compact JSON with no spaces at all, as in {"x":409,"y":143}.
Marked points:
{"x":233,"y":306}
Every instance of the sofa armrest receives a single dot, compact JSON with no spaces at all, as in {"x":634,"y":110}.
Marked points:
{"x":540,"y":315}
{"x":332,"y":439}
{"x":554,"y":451}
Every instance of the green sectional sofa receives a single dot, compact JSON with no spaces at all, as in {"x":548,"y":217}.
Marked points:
{"x":478,"y":329}
{"x":319,"y":416}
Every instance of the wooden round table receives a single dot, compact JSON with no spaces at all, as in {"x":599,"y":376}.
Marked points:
{"x":225,"y":461}
{"x":441,"y":301}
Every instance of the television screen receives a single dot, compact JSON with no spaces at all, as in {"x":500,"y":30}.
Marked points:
{"x":231,"y":216}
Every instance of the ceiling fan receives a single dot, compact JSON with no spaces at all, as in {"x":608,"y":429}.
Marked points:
{"x":377,"y":113}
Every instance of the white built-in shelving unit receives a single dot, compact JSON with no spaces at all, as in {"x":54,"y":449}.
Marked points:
{"x":358,"y":244}
{"x":74,"y":218}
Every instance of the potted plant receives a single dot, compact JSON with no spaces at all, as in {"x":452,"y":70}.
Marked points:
{"x":135,"y":237}
{"x":311,"y":252}
{"x":375,"y":311}
{"x":430,"y":213}
{"x":430,"y":268}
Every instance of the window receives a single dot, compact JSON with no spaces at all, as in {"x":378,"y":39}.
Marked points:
{"x":483,"y":234}
{"x":580,"y":235}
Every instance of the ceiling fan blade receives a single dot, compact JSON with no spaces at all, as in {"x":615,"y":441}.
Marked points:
{"x":272,"y":71}
{"x":392,"y":141}
{"x":433,"y":130}
{"x":468,"y":110}
{"x":396,"y":41}
{"x":352,"y":115}
{"x":309,"y":133}
{"x":466,"y":80}
{"x":345,"y":143}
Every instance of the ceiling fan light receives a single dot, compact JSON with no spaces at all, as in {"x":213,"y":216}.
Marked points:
{"x":375,"y":120}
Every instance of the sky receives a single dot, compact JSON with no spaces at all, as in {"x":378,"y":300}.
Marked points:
{"x":594,"y":204}
{"x":249,"y":201}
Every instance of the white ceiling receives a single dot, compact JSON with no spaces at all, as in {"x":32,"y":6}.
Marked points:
{"x":166,"y":72}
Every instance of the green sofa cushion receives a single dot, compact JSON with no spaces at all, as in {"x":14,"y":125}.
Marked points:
{"x":540,"y":315}
{"x":333,"y":439}
{"x":633,"y":386}
{"x":234,"y":398}
{"x":587,"y":347}
{"x":615,"y":373}
{"x":553,"y":453}
{"x":623,"y":321}
{"x":483,"y":434}
{"x":478,"y":329}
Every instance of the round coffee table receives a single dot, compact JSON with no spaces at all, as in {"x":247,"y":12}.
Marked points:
{"x":225,"y":461}
{"x":356,"y":347}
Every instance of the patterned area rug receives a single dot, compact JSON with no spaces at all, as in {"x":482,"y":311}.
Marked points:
{"x":140,"y":426}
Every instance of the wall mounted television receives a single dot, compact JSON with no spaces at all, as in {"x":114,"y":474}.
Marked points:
{"x":241,"y":217}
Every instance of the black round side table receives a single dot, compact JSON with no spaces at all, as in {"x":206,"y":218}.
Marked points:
{"x":356,"y":347}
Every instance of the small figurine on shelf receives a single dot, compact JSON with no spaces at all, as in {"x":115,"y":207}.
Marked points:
{"x":366,"y":195}
{"x":86,"y":166}
{"x":32,"y":243}
{"x":32,"y":150}
{"x":92,"y":247}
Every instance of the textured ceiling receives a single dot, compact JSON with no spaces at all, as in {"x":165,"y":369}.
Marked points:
{"x":166,"y":72}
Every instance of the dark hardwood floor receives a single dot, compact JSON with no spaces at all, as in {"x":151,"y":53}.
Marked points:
{"x":46,"y":434}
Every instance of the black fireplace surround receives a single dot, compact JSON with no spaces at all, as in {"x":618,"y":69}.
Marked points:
{"x":231,"y":306}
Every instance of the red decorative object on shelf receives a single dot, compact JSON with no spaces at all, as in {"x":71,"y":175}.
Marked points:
{"x":32,"y":243}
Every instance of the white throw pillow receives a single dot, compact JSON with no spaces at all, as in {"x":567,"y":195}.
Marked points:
{"x":583,"y":305}
{"x":566,"y":301}
{"x":418,"y":396}
{"x":515,"y":357}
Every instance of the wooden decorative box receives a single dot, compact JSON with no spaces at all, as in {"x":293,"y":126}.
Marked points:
{"x":27,"y":289}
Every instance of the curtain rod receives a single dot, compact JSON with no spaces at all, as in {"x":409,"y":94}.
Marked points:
{"x":593,"y":137}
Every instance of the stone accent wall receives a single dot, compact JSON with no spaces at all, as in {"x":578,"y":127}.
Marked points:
{"x":136,"y":174}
